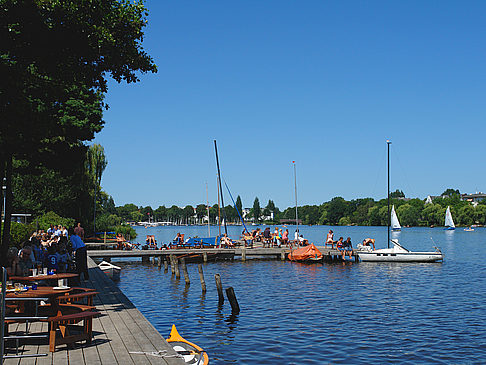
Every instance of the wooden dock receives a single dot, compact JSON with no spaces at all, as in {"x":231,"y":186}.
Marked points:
{"x":241,"y":253}
{"x":122,"y":335}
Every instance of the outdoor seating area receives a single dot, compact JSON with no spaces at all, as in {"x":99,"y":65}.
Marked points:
{"x":92,"y":323}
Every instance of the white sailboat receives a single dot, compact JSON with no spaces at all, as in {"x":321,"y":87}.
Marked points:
{"x":396,"y":253}
{"x":449,"y":223}
{"x":395,"y":224}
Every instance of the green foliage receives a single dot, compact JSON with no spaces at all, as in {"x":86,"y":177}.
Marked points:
{"x":20,"y":233}
{"x":397,"y":194}
{"x":450,"y":192}
{"x":126,"y":230}
{"x":256,"y":211}
{"x":106,"y":222}
{"x":51,"y":218}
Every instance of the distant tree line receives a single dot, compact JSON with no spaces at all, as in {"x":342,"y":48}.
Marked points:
{"x":337,"y":211}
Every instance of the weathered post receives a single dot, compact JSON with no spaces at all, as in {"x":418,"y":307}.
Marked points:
{"x":243,"y":253}
{"x":219,"y":286}
{"x":184,"y":271}
{"x":172,"y":266}
{"x":159,"y":263}
{"x":205,"y":256}
{"x":166,"y":266}
{"x":282,"y":255}
{"x":201,"y":276}
{"x":176,"y":267}
{"x":230,"y":293}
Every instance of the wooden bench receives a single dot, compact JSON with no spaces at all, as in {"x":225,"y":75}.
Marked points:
{"x":65,"y":324}
{"x":77,"y":298}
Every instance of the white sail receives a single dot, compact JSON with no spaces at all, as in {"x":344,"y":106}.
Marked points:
{"x":448,"y":218}
{"x":395,"y":224}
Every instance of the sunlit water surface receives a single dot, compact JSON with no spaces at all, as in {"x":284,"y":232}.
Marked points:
{"x":326,"y":313}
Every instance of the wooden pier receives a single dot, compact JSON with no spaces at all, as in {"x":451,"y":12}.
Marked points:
{"x":122,"y":335}
{"x":276,"y":253}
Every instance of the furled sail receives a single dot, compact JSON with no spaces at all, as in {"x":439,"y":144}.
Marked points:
{"x":395,"y":224}
{"x":448,"y":218}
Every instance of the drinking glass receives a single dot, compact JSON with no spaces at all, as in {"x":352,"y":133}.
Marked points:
{"x":44,"y":271}
{"x":34,"y":272}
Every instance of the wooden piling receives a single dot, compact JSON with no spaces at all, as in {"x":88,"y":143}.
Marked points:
{"x":184,"y":271}
{"x":282,"y":255}
{"x":176,"y":267}
{"x":219,"y":286}
{"x":243,"y":253}
{"x":166,"y":266}
{"x":159,"y":262}
{"x":201,"y":276}
{"x":205,"y":257}
{"x":172,"y":266}
{"x":230,"y":293}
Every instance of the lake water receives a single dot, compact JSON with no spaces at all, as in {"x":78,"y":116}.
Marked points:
{"x":294,"y":313}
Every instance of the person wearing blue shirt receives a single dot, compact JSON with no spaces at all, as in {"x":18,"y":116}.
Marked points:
{"x":81,"y":257}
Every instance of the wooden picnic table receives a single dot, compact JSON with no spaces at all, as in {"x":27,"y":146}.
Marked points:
{"x":64,"y":275}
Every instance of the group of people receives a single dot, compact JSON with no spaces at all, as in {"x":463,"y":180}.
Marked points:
{"x":53,"y":249}
{"x":346,"y":247}
{"x":277,"y":238}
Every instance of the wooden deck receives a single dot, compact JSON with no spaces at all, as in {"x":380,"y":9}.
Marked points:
{"x":269,"y":253}
{"x":120,"y":330}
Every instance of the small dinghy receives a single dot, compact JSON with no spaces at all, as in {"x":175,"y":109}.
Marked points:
{"x":191,"y":353}
{"x":305,"y":254}
{"x":112,"y":271}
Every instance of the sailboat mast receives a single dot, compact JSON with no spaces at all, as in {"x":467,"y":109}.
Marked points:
{"x":295,"y":186}
{"x":220,"y":187}
{"x":219,"y":208}
{"x":207,"y":207}
{"x":388,"y":143}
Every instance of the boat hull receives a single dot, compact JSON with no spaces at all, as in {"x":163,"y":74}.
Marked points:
{"x":449,"y":229}
{"x":112,"y":271}
{"x":400,"y":257}
{"x":190,"y":352}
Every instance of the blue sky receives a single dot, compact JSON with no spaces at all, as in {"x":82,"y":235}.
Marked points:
{"x":324,"y":83}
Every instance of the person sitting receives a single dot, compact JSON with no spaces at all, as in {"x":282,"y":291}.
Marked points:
{"x":226,"y":241}
{"x":13,"y":259}
{"x":285,"y":238}
{"x":177,"y":240}
{"x":303,"y":241}
{"x":369,"y":242}
{"x":25,"y":263}
{"x":340,"y":246}
{"x":53,"y":259}
{"x":348,"y":248}
{"x":267,"y":237}
{"x":330,"y":239}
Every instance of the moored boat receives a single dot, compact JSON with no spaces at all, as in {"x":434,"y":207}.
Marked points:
{"x":190,"y":352}
{"x":110,"y":270}
{"x":308,"y":253}
{"x":397,"y":253}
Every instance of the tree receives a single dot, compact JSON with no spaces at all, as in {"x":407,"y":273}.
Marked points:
{"x":408,"y":215}
{"x":125,"y":211}
{"x":201,"y":212}
{"x":239,"y":205}
{"x":397,"y":194}
{"x":95,"y":166}
{"x":451,"y":192}
{"x":336,"y":210}
{"x":256,"y":211}
{"x":55,"y":59}
{"x":160,"y":213}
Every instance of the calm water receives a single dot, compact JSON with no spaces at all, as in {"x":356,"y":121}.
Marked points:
{"x":327,"y":313}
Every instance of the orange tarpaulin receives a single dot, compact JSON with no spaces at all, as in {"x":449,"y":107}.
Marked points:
{"x":305,"y":253}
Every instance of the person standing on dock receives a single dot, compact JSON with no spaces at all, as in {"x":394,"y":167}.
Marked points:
{"x":81,"y":257}
{"x":79,"y":231}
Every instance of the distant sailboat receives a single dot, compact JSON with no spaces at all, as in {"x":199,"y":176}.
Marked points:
{"x":449,"y":223}
{"x":395,"y":224}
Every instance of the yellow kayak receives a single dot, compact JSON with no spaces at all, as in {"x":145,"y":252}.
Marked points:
{"x":190,"y":352}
